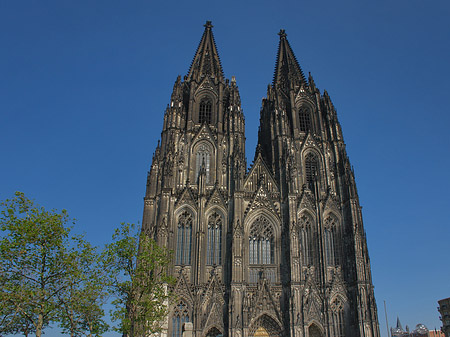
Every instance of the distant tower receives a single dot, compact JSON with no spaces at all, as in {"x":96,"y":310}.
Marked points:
{"x":276,"y":250}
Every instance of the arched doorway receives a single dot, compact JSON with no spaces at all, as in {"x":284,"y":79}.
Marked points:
{"x":261,"y":332}
{"x":265,"y":326}
{"x":214,"y":332}
{"x":314,"y":331}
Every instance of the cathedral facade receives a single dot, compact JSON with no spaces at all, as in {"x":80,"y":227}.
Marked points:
{"x":278,"y":249}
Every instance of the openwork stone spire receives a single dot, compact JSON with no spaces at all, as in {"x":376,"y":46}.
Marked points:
{"x":206,"y":60}
{"x":288,"y":73}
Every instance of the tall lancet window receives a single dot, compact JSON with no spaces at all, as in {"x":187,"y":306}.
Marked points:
{"x":337,"y":307}
{"x":261,"y":242}
{"x":184,"y":239}
{"x":202,"y":160}
{"x":214,"y":250}
{"x":306,"y":239}
{"x":311,"y":170}
{"x":332,"y":240}
{"x":329,"y":249}
{"x":304,"y":119}
{"x":205,"y":110}
{"x":180,"y":316}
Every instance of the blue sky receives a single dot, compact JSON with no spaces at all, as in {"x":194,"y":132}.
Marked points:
{"x":84,"y":85}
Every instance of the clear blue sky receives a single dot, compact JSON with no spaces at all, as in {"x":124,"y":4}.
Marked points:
{"x":84,"y":85}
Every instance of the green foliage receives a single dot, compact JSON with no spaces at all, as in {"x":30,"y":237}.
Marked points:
{"x":138,"y":280}
{"x":45,"y":274}
{"x":82,"y":299}
{"x":34,"y":259}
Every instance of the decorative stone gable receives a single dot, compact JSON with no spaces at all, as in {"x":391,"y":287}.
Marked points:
{"x":264,"y":300}
{"x":188,"y":197}
{"x":204,"y":133}
{"x":306,"y":201}
{"x":262,"y":200}
{"x":216,"y":199}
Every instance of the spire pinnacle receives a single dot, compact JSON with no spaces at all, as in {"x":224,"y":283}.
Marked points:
{"x":206,"y":60}
{"x":282,"y":34}
{"x":288,"y":73}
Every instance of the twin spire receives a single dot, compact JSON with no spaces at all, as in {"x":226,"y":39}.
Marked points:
{"x":288,"y":73}
{"x":206,"y":60}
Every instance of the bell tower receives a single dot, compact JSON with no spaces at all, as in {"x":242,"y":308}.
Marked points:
{"x":326,"y":267}
{"x":195,"y":170}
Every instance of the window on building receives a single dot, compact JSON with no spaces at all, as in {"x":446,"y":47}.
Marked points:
{"x":306,"y":239}
{"x":180,"y":316}
{"x":332,"y":240}
{"x":184,"y":239}
{"x":202,"y":160}
{"x":337,"y":308}
{"x":261,"y":242}
{"x":329,"y":253}
{"x":304,"y":118}
{"x":204,"y":115}
{"x":214,"y":250}
{"x":311,"y":170}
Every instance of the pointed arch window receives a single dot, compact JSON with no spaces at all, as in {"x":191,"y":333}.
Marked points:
{"x":304,"y":119}
{"x":306,"y":239}
{"x":337,"y":307}
{"x":332,"y":241}
{"x":311,"y":170}
{"x":180,"y":316}
{"x":184,"y":239}
{"x":205,"y":111}
{"x":214,"y":249}
{"x":329,"y":251}
{"x":203,"y":161}
{"x":261,"y":242}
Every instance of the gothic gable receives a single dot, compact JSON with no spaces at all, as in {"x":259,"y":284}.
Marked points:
{"x":216,"y":199}
{"x":187,"y":197}
{"x":332,"y":203}
{"x":310,"y":142}
{"x":338,"y":286}
{"x":262,"y":200}
{"x":259,"y":174}
{"x":206,"y":86}
{"x":204,"y":133}
{"x":304,"y":96}
{"x":262,"y":302}
{"x":312,"y":301}
{"x":306,"y":201}
{"x":182,"y":288}
{"x":212,"y":304}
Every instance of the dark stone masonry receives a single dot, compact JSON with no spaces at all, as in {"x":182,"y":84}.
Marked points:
{"x":275,"y":250}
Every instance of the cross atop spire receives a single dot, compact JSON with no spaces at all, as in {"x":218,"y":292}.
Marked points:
{"x":288,"y":73}
{"x":206,"y":60}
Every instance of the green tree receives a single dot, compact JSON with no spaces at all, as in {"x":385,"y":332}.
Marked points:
{"x":40,"y":265}
{"x":85,"y":293}
{"x":138,"y":280}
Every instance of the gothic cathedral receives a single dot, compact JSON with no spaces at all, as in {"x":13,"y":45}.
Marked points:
{"x":278,"y":249}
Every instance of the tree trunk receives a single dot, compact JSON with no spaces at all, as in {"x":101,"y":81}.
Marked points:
{"x":40,"y":323}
